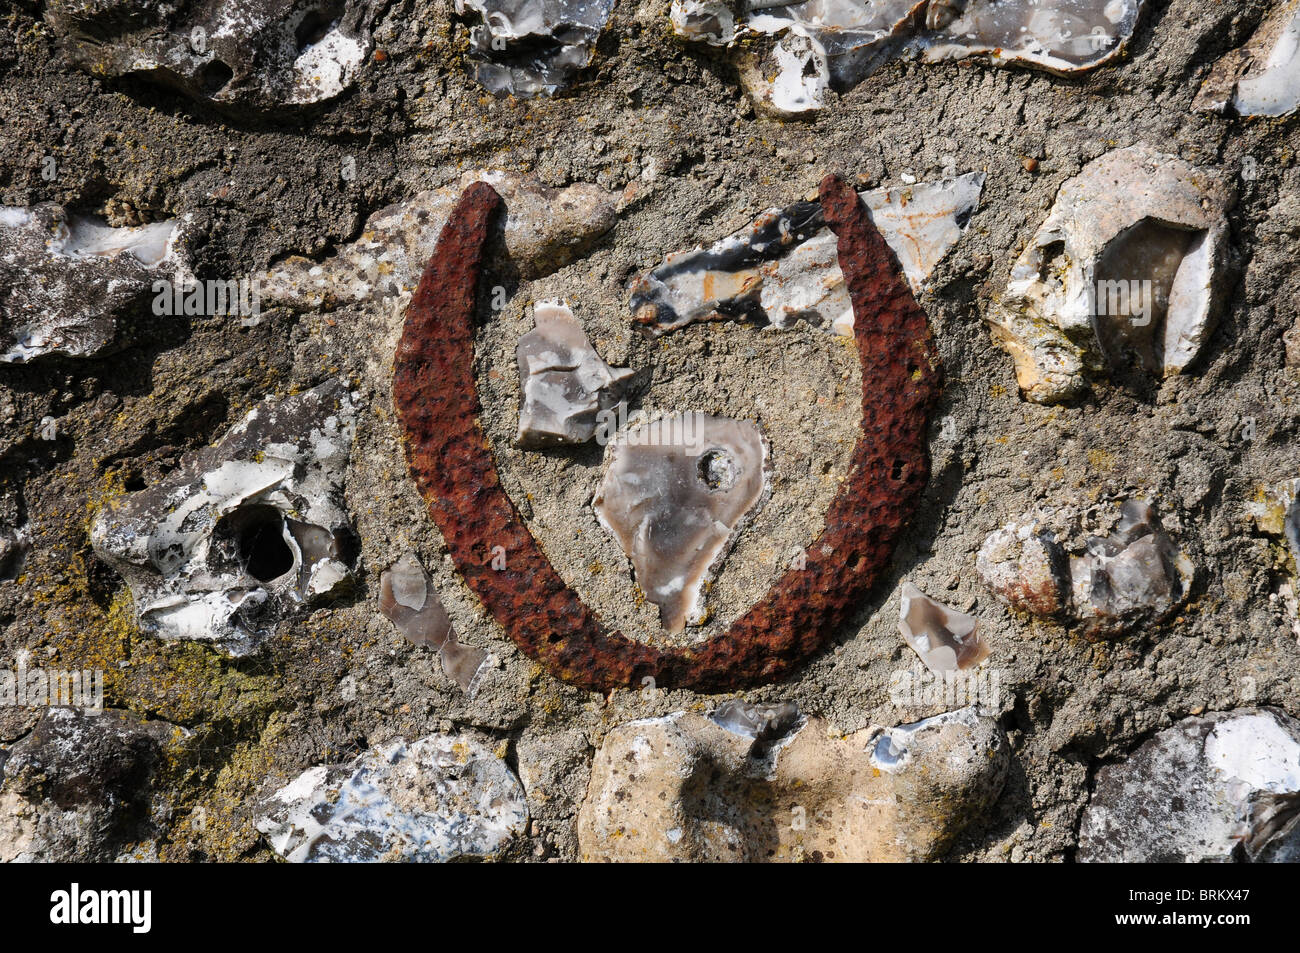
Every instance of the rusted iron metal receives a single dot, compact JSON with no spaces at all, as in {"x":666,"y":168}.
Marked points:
{"x":448,"y":454}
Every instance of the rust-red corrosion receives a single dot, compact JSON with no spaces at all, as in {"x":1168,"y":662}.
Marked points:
{"x":448,"y":454}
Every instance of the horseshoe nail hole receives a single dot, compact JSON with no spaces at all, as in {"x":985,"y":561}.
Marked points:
{"x":260,"y":546}
{"x":718,"y":470}
{"x":898,"y":470}
{"x":214,"y":76}
{"x":855,"y":562}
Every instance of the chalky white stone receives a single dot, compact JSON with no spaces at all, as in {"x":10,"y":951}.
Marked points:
{"x":244,"y":531}
{"x":441,"y":798}
{"x":1127,"y":271}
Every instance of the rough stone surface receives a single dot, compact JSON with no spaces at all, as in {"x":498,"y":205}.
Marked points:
{"x":1047,"y":565}
{"x":686,"y":788}
{"x":76,"y":788}
{"x":69,"y":280}
{"x":264,"y":55}
{"x":1218,"y":788}
{"x":531,"y":47}
{"x":671,"y":138}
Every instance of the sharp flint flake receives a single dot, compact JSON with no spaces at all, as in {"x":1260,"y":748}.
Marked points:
{"x":529,"y":48}
{"x":409,"y":600}
{"x":783,"y":268}
{"x":945,"y":639}
{"x":675,"y":493}
{"x":1135,"y":574}
{"x":564,"y":384}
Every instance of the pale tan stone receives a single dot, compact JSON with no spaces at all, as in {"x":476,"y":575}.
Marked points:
{"x":682,"y":788}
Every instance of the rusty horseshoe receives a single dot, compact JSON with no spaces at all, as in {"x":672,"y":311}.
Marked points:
{"x":437,"y":402}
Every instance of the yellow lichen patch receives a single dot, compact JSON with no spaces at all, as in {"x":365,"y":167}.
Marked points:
{"x":1101,"y":460}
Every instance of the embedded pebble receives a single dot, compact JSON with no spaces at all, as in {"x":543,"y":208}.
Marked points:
{"x":791,"y":55}
{"x":1107,"y":585}
{"x":441,"y":798}
{"x":531,"y":47}
{"x":1125,"y":277}
{"x":243,"y":532}
{"x":1134,"y":574}
{"x":544,"y":229}
{"x":686,"y":788}
{"x":1220,"y":788}
{"x":1023,"y":566}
